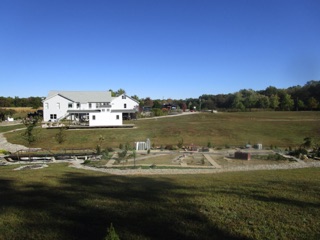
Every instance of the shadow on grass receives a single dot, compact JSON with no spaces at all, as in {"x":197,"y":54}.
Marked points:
{"x":81,"y":206}
{"x":278,"y":192}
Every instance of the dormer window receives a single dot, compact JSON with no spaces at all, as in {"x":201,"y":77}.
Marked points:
{"x":123,"y":96}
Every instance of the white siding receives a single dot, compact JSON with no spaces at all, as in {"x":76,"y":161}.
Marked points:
{"x":105,"y":119}
{"x":119,"y":103}
{"x":56,"y":105}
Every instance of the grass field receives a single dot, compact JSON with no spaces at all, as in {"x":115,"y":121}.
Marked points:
{"x":282,"y":129}
{"x":21,"y":112}
{"x":59,"y":202}
{"x":65,"y":203}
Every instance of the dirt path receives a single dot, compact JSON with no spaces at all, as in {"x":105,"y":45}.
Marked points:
{"x":139,"y":171}
{"x":5,"y":145}
{"x":166,"y":116}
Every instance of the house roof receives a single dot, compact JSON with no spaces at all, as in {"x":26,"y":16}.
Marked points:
{"x":83,"y":96}
{"x":126,"y":97}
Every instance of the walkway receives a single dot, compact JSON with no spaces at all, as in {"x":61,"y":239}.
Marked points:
{"x":112,"y":160}
{"x":210,"y":160}
{"x":5,"y":145}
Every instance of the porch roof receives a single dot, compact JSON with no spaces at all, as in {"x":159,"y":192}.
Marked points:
{"x":83,"y":111}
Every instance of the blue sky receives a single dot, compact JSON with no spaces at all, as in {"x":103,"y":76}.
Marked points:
{"x":157,"y":48}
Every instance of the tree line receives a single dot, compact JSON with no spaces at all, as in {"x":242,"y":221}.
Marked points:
{"x":34,"y":102}
{"x":296,"y":98}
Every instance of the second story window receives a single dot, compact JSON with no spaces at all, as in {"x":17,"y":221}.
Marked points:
{"x":78,"y":105}
{"x":90,"y":105}
{"x":125,"y":105}
{"x":69,"y":105}
{"x":123,"y":96}
{"x":47,"y":105}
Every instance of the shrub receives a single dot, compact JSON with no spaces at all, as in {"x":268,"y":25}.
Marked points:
{"x":180,"y":143}
{"x":170,"y":147}
{"x":109,"y":149}
{"x":122,"y":154}
{"x":298,"y":151}
{"x":112,"y":235}
{"x":61,"y":136}
{"x":105,"y":154}
{"x":4,"y":152}
{"x":86,"y":162}
{"x":98,"y":149}
{"x":157,"y":112}
{"x":127,"y":146}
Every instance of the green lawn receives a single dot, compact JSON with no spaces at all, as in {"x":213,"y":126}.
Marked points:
{"x":282,"y":129}
{"x":10,"y":127}
{"x":59,"y":202}
{"x":65,"y":203}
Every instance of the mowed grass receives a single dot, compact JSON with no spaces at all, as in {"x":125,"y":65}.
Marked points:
{"x":59,"y":202}
{"x":281,"y":129}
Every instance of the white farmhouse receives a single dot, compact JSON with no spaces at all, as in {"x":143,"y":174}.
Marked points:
{"x":92,"y":108}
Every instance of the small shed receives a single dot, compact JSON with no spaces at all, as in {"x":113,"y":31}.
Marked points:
{"x":242,"y":155}
{"x":258,"y":146}
{"x":192,"y":148}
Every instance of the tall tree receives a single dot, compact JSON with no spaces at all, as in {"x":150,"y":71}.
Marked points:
{"x":157,"y":104}
{"x":237,"y":101}
{"x":148,"y":102}
{"x":263,"y":102}
{"x":270,"y":91}
{"x":287,"y":102}
{"x":29,"y":135}
{"x":300,"y":105}
{"x":313,"y":103}
{"x":250,"y":98}
{"x":120,"y":92}
{"x":274,"y":101}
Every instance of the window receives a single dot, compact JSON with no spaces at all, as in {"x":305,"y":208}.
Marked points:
{"x":47,"y":105}
{"x":78,"y":105}
{"x":90,"y":105}
{"x":103,"y":110}
{"x":123,"y":96}
{"x":69,"y":105}
{"x":125,"y":105}
{"x":117,"y":117}
{"x":58,"y":105}
{"x":93,"y":117}
{"x":53,"y":116}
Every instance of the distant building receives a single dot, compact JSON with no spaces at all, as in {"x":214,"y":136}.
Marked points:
{"x":242,"y":155}
{"x":94,"y":108}
{"x":143,"y":145}
{"x":170,"y":106}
